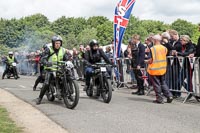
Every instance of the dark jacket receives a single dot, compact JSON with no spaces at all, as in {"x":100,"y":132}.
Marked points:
{"x":168,"y":46}
{"x":187,"y":50}
{"x":138,"y":56}
{"x":92,"y":57}
{"x":175,"y":46}
{"x":197,"y":54}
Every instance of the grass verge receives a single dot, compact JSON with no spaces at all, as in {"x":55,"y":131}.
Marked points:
{"x":6,"y":124}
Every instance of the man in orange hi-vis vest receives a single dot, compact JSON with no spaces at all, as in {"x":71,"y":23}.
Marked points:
{"x":157,"y":69}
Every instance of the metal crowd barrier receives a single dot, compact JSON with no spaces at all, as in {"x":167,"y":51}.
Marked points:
{"x":182,"y":75}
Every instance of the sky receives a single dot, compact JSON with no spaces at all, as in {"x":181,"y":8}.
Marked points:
{"x":166,"y":11}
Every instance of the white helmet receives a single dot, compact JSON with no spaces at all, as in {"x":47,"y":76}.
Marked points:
{"x":10,"y":53}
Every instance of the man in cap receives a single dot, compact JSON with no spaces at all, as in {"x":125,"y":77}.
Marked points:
{"x":157,"y":69}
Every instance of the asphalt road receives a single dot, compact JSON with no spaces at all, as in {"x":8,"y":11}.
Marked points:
{"x":125,"y":113}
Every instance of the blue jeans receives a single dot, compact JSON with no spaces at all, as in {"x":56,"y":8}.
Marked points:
{"x":132,"y":75}
{"x":88,"y":74}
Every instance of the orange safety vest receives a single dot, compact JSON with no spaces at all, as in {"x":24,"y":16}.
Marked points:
{"x":159,"y":64}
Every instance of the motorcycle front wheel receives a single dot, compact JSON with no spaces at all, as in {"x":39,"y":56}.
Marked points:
{"x":106,"y":90}
{"x":50,"y":92}
{"x":71,"y":93}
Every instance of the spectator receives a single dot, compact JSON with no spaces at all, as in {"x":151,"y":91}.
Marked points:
{"x":109,"y":54}
{"x":119,"y":78}
{"x":165,"y":41}
{"x":81,"y":64}
{"x":138,"y":56}
{"x":186,"y":70}
{"x":87,"y":48}
{"x":197,"y":54}
{"x":175,"y":45}
{"x":129,"y":70}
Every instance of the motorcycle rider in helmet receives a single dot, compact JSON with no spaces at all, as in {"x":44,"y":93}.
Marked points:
{"x":9,"y":60}
{"x":40,"y":78}
{"x":92,"y":56}
{"x":52,"y":54}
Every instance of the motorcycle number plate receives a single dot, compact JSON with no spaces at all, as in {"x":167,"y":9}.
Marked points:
{"x":103,"y":69}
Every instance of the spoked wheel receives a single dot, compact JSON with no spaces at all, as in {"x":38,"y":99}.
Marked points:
{"x":71,"y":94}
{"x":106,"y":90}
{"x":50,"y":92}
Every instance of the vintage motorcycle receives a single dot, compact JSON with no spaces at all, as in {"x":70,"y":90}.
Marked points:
{"x":12,"y":71}
{"x":63,"y":85}
{"x":100,"y":84}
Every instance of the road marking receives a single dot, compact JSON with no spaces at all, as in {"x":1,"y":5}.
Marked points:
{"x":22,"y":86}
{"x":15,"y":89}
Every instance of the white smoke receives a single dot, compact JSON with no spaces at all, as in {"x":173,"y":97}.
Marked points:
{"x":2,"y":68}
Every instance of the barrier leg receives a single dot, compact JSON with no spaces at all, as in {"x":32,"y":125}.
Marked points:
{"x":150,"y":89}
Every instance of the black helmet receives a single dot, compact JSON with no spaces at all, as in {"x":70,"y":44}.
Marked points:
{"x":56,"y":38}
{"x":44,"y":46}
{"x":93,"y":42}
{"x":47,"y":45}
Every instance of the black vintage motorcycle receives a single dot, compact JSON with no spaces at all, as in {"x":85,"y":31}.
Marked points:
{"x":63,"y":86}
{"x":12,"y":71}
{"x":100,"y":83}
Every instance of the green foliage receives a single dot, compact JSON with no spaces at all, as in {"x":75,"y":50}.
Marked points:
{"x":153,"y":26}
{"x":71,"y":41}
{"x":96,"y":20}
{"x":196,"y":34}
{"x":105,"y":33}
{"x":183,"y":27}
{"x":86,"y":35}
{"x":36,"y":21}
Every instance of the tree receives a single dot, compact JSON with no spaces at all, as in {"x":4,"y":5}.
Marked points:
{"x":10,"y":32}
{"x":93,"y":22}
{"x":196,"y":35}
{"x":86,"y":35}
{"x":154,"y":26}
{"x":71,"y":41}
{"x":36,"y":21}
{"x":183,"y":27}
{"x":63,"y":26}
{"x":105,"y":32}
{"x":79,"y":25}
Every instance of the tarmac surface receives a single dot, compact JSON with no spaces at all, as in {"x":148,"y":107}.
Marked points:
{"x":125,"y":113}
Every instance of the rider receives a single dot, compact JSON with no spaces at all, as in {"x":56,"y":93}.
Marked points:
{"x":9,"y":60}
{"x":51,"y":56}
{"x":93,"y":56}
{"x":40,"y":78}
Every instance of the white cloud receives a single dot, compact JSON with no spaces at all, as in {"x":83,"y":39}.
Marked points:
{"x":163,"y":10}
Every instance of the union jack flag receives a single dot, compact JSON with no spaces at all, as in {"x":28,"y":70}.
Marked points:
{"x":121,"y":18}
